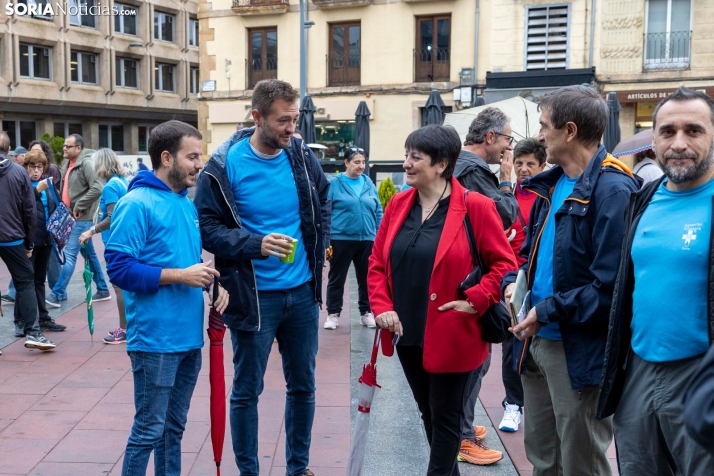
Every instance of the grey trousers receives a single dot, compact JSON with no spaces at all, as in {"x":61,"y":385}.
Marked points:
{"x":467,"y":429}
{"x":562,"y":435}
{"x":649,"y":430}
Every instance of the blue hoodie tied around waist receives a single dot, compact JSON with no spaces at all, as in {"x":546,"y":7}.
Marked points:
{"x":354,"y":216}
{"x":154,"y":228}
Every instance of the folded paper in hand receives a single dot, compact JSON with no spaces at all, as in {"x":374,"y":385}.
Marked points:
{"x":520,"y":302}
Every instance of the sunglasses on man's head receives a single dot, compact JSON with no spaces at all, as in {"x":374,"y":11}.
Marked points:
{"x":356,"y":149}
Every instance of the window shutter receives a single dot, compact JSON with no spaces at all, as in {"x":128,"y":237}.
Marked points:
{"x":547,"y":37}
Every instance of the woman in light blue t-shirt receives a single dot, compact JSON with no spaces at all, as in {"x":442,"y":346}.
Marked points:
{"x":110,"y":170}
{"x":356,"y":214}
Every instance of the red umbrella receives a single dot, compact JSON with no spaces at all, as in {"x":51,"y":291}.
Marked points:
{"x":216,"y":331}
{"x":368,"y":387}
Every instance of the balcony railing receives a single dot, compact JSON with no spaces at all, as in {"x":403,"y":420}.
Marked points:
{"x":260,"y":7}
{"x":259,"y":68}
{"x":432,"y":64}
{"x":344,"y":70}
{"x":340,"y":3}
{"x":668,"y":50}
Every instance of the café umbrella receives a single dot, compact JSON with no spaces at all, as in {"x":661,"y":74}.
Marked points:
{"x":88,"y":275}
{"x":216,"y":378}
{"x":368,"y":389}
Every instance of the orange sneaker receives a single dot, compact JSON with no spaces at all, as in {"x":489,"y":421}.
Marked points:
{"x":475,"y":452}
{"x":481,"y":432}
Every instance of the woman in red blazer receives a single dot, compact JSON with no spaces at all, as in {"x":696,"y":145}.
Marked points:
{"x":421,"y":254}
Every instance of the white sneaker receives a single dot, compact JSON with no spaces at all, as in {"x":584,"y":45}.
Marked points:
{"x":367,"y":319}
{"x":331,"y":322}
{"x":511,"y":418}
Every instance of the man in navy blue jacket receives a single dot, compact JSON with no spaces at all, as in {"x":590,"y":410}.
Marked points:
{"x":262,"y":196}
{"x":572,"y":248}
{"x":154,"y":256}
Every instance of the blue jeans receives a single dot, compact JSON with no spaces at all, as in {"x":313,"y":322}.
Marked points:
{"x":54,"y":268}
{"x":11,"y":291}
{"x":292,"y":317}
{"x":70,"y":253}
{"x":163,"y":386}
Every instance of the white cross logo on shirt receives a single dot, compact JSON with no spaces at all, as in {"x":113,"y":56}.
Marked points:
{"x":689,"y":237}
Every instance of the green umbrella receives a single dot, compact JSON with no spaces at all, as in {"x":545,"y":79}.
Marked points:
{"x":88,"y":275}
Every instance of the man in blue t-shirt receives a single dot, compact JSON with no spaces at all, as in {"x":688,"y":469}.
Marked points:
{"x":261,"y":197}
{"x":663,"y":310}
{"x":573,"y":243}
{"x":154,"y":255}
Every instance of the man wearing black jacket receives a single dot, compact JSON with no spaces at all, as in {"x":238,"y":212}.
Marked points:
{"x":17,"y":231}
{"x":662,"y":318}
{"x":261,"y":197}
{"x":573,"y":243}
{"x":488,"y":141}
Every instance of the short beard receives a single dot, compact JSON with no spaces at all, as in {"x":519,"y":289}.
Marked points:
{"x":177,"y":177}
{"x":267,"y":138}
{"x":690,"y":173}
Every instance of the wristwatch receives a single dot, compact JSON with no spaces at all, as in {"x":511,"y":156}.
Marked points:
{"x":93,"y":230}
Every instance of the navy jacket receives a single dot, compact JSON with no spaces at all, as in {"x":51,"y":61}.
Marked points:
{"x":619,"y":339}
{"x":699,"y":403}
{"x":234,"y":249}
{"x":589,"y":229}
{"x":18,"y":219}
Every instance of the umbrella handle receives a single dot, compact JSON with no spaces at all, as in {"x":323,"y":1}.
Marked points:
{"x":375,"y":347}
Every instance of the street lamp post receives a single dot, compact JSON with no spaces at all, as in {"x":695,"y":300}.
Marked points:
{"x":304,"y":26}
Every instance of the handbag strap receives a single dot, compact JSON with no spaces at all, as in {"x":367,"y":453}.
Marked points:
{"x":53,"y":192}
{"x":475,"y":256}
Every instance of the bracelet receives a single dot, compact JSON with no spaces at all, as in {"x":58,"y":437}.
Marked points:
{"x":506,"y":184}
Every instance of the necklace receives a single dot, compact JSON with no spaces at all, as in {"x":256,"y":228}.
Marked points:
{"x":433,"y":207}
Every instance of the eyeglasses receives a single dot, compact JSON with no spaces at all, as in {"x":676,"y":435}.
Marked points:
{"x":65,"y":146}
{"x":36,"y":167}
{"x":510,"y":138}
{"x":356,"y":149}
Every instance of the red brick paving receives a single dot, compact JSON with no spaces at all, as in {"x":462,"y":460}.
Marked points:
{"x":69,"y":411}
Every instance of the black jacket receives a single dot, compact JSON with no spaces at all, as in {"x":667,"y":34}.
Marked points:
{"x":17,"y":204}
{"x":42,"y":237}
{"x":474,"y":173}
{"x":234,"y":249}
{"x":619,"y":338}
{"x":699,"y":403}
{"x":589,"y":228}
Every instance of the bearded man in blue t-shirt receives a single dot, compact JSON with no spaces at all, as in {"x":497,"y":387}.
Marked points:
{"x":263,"y":196}
{"x":662,"y":320}
{"x":154,"y":256}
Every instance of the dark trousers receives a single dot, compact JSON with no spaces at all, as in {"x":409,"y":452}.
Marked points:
{"x":20,"y":268}
{"x":511,"y":378}
{"x":40,"y":258}
{"x":440,"y":398}
{"x":345,"y":252}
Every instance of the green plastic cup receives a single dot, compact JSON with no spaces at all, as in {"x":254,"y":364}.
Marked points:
{"x":290,"y":259}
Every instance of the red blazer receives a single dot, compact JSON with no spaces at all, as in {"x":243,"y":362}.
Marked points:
{"x":452,"y":339}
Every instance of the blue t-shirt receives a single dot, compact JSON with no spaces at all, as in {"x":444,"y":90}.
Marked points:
{"x":266,"y":196}
{"x":160,"y":228}
{"x":670,"y":255}
{"x":355,"y":184}
{"x":43,"y":199}
{"x":543,"y":283}
{"x":114,"y":189}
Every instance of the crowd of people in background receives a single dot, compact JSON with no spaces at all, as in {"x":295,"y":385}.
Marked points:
{"x":613,"y":259}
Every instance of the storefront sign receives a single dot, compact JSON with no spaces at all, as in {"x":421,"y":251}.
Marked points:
{"x":653,"y":95}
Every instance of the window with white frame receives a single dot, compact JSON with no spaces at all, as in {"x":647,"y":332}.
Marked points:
{"x":547,"y":36}
{"x":194,"y":81}
{"x":668,"y":34}
{"x":125,"y":19}
{"x":83,"y":10}
{"x":111,"y":136}
{"x":164,"y":26}
{"x":193,"y":32}
{"x":65,"y":129}
{"x":20,"y":131}
{"x":144,"y":132}
{"x":164,"y":77}
{"x":127,"y":75}
{"x":83,"y":67}
{"x":37,"y":8}
{"x":35,"y":61}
